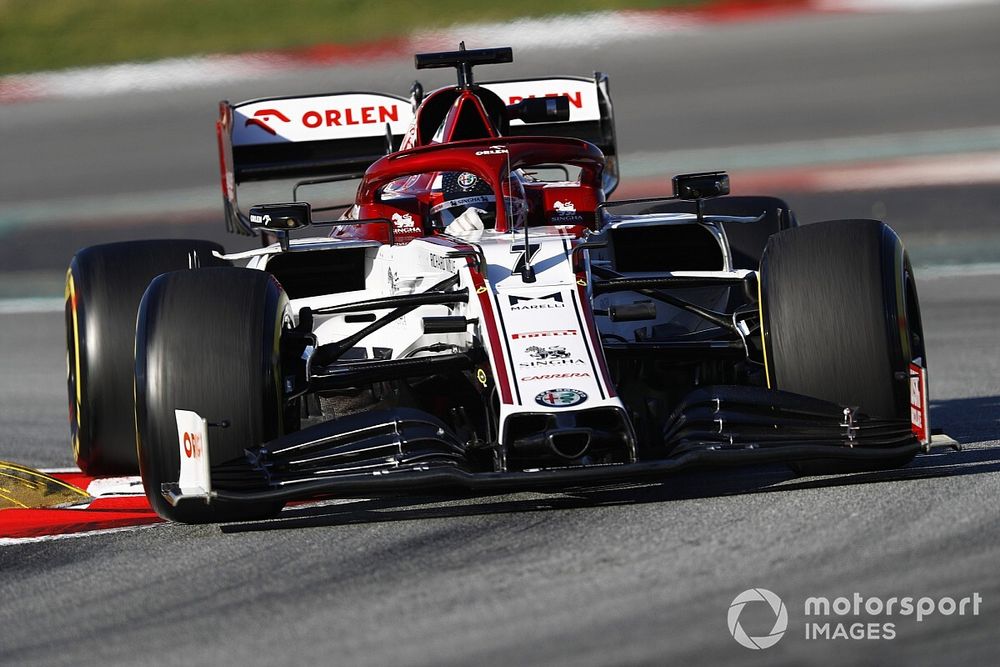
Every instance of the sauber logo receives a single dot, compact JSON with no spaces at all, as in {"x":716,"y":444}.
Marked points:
{"x":262,"y":117}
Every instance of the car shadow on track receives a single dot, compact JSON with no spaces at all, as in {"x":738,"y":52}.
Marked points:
{"x":969,"y":421}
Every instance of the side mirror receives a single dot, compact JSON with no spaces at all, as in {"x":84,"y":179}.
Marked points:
{"x":281,"y":217}
{"x":540,"y":109}
{"x":701,"y":186}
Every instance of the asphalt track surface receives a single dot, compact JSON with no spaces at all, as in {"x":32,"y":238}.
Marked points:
{"x":608,"y":576}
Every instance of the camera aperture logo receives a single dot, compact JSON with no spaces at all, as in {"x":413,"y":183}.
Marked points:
{"x":780,"y":618}
{"x":857,"y":617}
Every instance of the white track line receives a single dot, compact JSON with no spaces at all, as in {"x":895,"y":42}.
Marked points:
{"x":941,"y":171}
{"x":975,"y":269}
{"x":16,"y":306}
{"x":12,"y":541}
{"x":969,"y":142}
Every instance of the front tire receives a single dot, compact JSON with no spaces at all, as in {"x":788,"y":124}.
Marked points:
{"x":208,"y":341}
{"x":104,"y":285}
{"x":841,"y":319}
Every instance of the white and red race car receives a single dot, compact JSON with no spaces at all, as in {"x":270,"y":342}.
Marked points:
{"x":480,"y":316}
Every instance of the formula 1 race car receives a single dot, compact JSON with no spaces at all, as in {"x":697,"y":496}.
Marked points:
{"x":481,"y":317}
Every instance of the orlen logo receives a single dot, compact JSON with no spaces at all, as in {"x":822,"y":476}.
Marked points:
{"x":575,"y":99}
{"x":380,"y":114}
{"x":192,"y":445}
{"x":262,"y":117}
{"x":494,"y":150}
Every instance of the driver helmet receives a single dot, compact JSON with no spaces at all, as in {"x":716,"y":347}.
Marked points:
{"x":463,"y":190}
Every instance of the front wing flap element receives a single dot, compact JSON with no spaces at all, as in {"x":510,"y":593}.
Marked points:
{"x":735,"y":417}
{"x":405,"y":451}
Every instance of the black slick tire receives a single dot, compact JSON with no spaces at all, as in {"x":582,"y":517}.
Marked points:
{"x":841,"y":320}
{"x":208,"y":341}
{"x":104,"y":284}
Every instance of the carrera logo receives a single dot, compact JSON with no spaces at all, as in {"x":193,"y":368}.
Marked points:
{"x":575,"y":99}
{"x":369,"y":115}
{"x":554,"y":376}
{"x":192,"y":445}
{"x":543,"y":334}
{"x":262,"y":117}
{"x":554,"y":300}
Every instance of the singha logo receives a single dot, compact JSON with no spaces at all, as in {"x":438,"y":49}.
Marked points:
{"x":550,"y":352}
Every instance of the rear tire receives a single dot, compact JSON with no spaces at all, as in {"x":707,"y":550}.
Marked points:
{"x":104,"y":284}
{"x":207,"y":341}
{"x":841,"y":321}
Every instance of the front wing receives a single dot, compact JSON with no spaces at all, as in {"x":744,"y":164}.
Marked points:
{"x":403,"y":451}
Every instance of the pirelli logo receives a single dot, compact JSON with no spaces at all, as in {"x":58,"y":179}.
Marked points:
{"x":544,"y":334}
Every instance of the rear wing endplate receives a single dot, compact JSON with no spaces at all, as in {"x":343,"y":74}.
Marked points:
{"x":591,"y":115}
{"x":304,"y":136}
